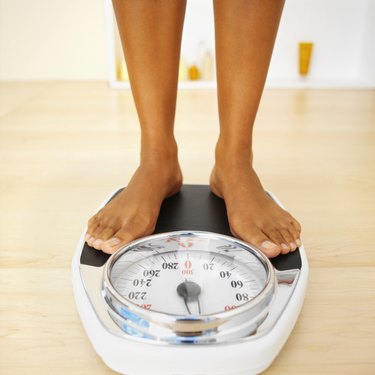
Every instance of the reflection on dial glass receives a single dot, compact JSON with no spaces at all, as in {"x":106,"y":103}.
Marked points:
{"x":185,"y":275}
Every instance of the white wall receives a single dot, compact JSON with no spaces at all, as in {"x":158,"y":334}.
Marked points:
{"x":367,"y":67}
{"x":52,"y":39}
{"x":57,"y":39}
{"x":343,"y":32}
{"x":338,"y":29}
{"x":198,"y":25}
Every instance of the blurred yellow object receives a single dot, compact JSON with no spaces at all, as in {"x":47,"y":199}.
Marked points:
{"x":193,"y":73}
{"x":121,"y":70}
{"x":305,"y":51}
{"x":182,"y":71}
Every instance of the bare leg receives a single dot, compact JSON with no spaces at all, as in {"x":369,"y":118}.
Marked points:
{"x":151,"y":37}
{"x":245,"y":31}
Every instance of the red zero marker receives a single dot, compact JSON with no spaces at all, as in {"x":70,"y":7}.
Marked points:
{"x":187,"y":264}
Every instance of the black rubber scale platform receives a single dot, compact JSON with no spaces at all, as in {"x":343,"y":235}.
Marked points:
{"x":193,"y":208}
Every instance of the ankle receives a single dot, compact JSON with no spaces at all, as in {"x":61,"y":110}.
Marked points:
{"x":159,"y":150}
{"x":230,"y":153}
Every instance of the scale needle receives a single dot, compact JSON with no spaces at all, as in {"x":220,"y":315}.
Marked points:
{"x":189,"y":291}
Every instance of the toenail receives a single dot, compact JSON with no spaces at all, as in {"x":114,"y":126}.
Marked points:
{"x":284,"y":247}
{"x":293,"y":246}
{"x":97,"y":242}
{"x":298,"y":242}
{"x":113,"y":241}
{"x":91,"y":240}
{"x":268,"y":245}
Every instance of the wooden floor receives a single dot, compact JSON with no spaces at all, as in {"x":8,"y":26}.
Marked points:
{"x":65,"y":146}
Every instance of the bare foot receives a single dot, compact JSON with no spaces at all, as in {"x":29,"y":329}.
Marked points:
{"x":133,"y":212}
{"x":253,"y":216}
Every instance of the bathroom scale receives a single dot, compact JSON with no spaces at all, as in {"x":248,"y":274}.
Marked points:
{"x":190,"y":299}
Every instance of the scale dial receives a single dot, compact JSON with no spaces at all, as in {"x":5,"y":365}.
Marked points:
{"x":188,"y":286}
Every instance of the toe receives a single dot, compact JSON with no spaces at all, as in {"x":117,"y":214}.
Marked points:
{"x":91,"y":241}
{"x":102,"y":236}
{"x":118,"y":240}
{"x":136,"y":227}
{"x":269,"y":248}
{"x":259,"y":239}
{"x":290,"y":230}
{"x":295,"y":232}
{"x":108,"y":233}
{"x":293,"y":246}
{"x":97,"y":244}
{"x":97,"y":231}
{"x":92,"y":220}
{"x":275,"y":236}
{"x":295,"y":229}
{"x":287,"y":240}
{"x":93,"y":236}
{"x":285,"y":249}
{"x":92,"y":226}
{"x":111,"y":245}
{"x":91,"y":230}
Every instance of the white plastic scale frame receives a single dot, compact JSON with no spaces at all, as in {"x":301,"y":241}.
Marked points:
{"x":131,"y":355}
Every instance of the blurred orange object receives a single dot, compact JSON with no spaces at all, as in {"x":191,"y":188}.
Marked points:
{"x":193,"y":73}
{"x":305,"y":51}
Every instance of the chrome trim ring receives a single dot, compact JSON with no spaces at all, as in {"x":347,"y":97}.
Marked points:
{"x":217,"y":327}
